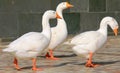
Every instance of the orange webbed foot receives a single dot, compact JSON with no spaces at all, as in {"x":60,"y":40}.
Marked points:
{"x":52,"y":58}
{"x":34,"y":65}
{"x":91,"y":65}
{"x":89,"y":62}
{"x":16,"y":64}
{"x":18,"y":68}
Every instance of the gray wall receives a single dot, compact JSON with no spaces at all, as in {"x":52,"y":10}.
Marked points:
{"x":92,"y":11}
{"x":21,"y":16}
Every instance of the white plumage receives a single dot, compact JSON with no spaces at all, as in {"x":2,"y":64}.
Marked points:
{"x":88,"y":42}
{"x":31,"y":44}
{"x":59,"y":32}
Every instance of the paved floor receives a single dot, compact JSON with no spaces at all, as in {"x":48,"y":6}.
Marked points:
{"x":108,"y":57}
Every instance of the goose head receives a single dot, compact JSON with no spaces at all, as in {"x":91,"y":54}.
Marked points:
{"x":50,"y":14}
{"x":113,"y":24}
{"x":64,"y":5}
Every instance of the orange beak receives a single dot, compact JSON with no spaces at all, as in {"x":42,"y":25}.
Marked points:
{"x":69,"y":5}
{"x":116,"y":31}
{"x":57,"y":16}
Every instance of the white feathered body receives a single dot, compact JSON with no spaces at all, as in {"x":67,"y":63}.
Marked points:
{"x":29,"y":45}
{"x":90,"y":41}
{"x":87,"y":42}
{"x":59,"y":34}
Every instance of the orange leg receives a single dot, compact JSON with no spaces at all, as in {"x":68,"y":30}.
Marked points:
{"x":16,"y":64}
{"x":50,"y":55}
{"x":89,"y":62}
{"x":34,"y":65}
{"x":47,"y":55}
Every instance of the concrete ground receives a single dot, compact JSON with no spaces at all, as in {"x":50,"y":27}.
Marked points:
{"x":108,"y":57}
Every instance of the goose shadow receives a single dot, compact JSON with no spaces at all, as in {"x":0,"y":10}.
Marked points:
{"x":64,"y":56}
{"x":49,"y":66}
{"x":61,"y":56}
{"x":72,"y":63}
{"x":101,"y":63}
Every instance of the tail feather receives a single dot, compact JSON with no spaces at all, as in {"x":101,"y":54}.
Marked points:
{"x":8,"y":50}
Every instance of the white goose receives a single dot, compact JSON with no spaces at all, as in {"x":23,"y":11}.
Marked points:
{"x":31,"y":44}
{"x":88,"y":42}
{"x":59,"y":33}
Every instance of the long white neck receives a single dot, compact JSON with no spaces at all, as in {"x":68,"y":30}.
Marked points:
{"x":46,"y":27}
{"x":59,"y":10}
{"x":61,"y":22}
{"x":103,"y":27}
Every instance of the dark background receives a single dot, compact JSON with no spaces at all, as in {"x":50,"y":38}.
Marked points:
{"x":21,"y":16}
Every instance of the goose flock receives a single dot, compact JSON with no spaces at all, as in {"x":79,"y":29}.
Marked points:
{"x":31,"y":44}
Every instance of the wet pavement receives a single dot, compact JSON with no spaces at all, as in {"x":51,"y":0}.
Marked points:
{"x":108,"y":57}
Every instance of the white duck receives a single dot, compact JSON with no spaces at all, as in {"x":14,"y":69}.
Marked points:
{"x":88,"y":42}
{"x":31,"y":44}
{"x":59,"y":33}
